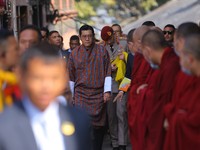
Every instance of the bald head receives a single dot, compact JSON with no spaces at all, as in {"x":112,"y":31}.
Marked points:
{"x":157,"y":28}
{"x":139,"y":32}
{"x":154,"y":39}
{"x":192,"y":45}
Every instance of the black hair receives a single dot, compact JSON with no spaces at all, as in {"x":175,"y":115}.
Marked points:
{"x":4,"y":35}
{"x":155,"y":39}
{"x":61,"y":38}
{"x":170,"y":26}
{"x":130,"y":35}
{"x":86,"y":27}
{"x":149,"y":23}
{"x":44,"y":51}
{"x":34,"y":28}
{"x":117,"y":25}
{"x":187,"y":29}
{"x":46,"y":30}
{"x":74,"y":37}
{"x":52,"y":32}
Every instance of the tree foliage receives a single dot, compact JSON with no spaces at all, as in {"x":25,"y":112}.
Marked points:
{"x":121,"y":9}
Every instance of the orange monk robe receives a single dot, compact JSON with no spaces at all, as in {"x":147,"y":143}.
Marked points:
{"x":163,"y":89}
{"x":140,"y":76}
{"x":184,"y":127}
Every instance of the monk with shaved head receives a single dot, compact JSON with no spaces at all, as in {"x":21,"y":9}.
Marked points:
{"x":146,"y":93}
{"x":160,"y":56}
{"x":140,"y":71}
{"x":182,"y":114}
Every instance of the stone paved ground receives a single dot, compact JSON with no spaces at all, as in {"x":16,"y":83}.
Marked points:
{"x":107,"y":145}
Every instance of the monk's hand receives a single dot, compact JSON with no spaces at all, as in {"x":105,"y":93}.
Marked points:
{"x":121,"y":56}
{"x":113,"y":67}
{"x":141,"y":87}
{"x":166,"y":124}
{"x":119,"y":95}
{"x":106,"y":96}
{"x":181,"y":111}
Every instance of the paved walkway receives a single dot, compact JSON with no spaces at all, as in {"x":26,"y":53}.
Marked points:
{"x":107,"y":145}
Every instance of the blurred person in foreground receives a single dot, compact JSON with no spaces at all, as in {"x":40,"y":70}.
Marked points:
{"x":8,"y":59}
{"x":39,"y":122}
{"x":169,"y":31}
{"x":73,"y":43}
{"x":90,"y":80}
{"x":29,"y":36}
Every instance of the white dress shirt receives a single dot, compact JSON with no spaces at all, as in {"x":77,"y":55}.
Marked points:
{"x":46,"y":125}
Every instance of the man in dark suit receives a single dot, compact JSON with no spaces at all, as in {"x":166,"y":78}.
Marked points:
{"x":39,"y":122}
{"x":56,"y":40}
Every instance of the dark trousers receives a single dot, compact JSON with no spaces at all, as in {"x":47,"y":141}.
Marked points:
{"x":98,"y":135}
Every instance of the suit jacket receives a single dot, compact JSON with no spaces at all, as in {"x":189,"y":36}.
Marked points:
{"x":129,"y":65}
{"x":65,"y":54}
{"x":16,"y":132}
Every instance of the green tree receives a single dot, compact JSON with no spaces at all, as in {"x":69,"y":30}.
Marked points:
{"x":121,"y":9}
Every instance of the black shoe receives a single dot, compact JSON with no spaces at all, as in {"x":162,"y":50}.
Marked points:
{"x":115,"y":148}
{"x":122,"y":147}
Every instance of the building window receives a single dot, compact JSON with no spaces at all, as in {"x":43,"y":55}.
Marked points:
{"x":71,"y":4}
{"x":57,"y":4}
{"x":64,"y":4}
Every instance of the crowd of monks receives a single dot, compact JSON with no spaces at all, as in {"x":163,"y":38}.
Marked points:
{"x":163,"y":104}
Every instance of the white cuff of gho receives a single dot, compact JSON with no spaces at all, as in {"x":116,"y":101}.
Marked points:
{"x":72,"y":87}
{"x":121,"y":92}
{"x":108,"y":84}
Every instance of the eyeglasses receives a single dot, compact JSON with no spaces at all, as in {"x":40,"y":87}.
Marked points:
{"x":169,"y":32}
{"x":87,"y":36}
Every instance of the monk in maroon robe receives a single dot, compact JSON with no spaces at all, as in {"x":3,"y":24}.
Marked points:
{"x":183,"y":112}
{"x":140,"y":72}
{"x":145,"y":103}
{"x":182,"y":80}
{"x":161,"y":56}
{"x":145,"y":106}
